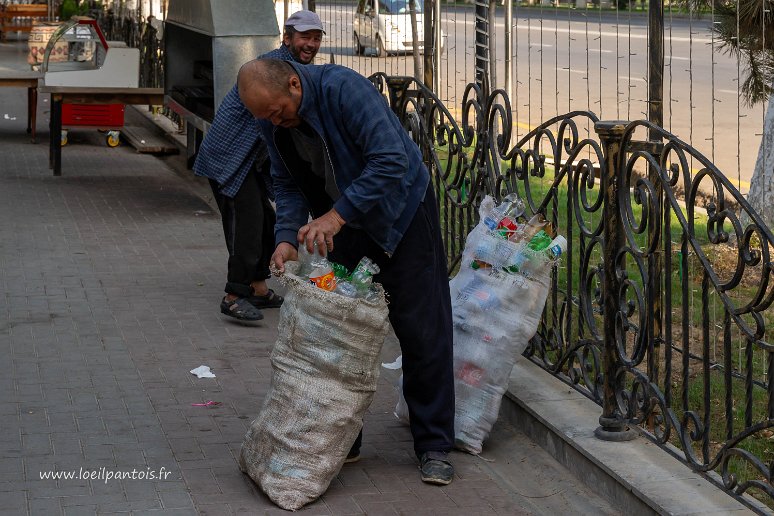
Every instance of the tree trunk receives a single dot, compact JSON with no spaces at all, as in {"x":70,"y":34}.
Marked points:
{"x":415,"y":41}
{"x":761,"y":195}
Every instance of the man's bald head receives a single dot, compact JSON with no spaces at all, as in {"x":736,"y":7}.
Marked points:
{"x":271,"y":89}
{"x":272,"y":74}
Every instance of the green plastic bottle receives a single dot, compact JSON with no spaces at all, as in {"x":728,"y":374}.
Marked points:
{"x":540,"y":241}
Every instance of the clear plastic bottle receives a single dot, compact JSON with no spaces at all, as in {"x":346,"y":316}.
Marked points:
{"x":511,"y":207}
{"x":363,"y":275}
{"x":539,"y":232}
{"x":525,"y":232}
{"x":546,"y":256}
{"x":304,"y":261}
{"x":345,"y":288}
{"x":486,"y":207}
{"x":322,"y":273}
{"x":359,"y":283}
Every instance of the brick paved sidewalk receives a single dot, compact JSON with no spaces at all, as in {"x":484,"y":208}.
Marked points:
{"x":112,"y":275}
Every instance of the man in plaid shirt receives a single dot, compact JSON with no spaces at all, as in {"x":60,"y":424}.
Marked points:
{"x":233,"y":157}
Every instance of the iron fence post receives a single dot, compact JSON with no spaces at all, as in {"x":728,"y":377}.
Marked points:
{"x":428,"y":7}
{"x":612,"y":425}
{"x":655,"y":116}
{"x":482,"y":45}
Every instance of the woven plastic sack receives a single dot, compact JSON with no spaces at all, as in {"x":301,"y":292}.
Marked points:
{"x":495,"y":314}
{"x":325,"y":369}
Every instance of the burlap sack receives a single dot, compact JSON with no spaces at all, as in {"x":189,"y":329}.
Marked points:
{"x":325,"y":369}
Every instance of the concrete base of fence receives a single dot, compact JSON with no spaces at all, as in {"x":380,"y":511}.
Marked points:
{"x":636,"y":476}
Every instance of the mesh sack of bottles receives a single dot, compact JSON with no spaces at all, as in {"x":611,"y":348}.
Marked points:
{"x":498,"y":297}
{"x":324,"y":373}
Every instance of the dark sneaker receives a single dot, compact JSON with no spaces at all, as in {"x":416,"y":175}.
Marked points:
{"x":436,"y":468}
{"x":352,"y":456}
{"x":240,"y":309}
{"x":270,"y":300}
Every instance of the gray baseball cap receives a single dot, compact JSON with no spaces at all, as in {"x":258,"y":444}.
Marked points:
{"x":303,"y":21}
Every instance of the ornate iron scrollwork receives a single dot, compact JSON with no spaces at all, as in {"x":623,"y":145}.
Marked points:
{"x":651,"y":202}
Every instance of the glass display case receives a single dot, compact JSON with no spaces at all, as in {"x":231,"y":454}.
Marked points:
{"x":86,"y":47}
{"x":88,"y":59}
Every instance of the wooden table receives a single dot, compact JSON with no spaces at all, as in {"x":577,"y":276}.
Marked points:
{"x":84,"y":95}
{"x":29,"y":80}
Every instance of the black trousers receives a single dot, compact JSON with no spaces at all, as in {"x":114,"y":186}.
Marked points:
{"x":417,"y":284}
{"x":248,"y":225}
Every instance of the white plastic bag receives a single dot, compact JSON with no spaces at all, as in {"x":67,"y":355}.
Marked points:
{"x":495,"y":314}
{"x":401,"y":407}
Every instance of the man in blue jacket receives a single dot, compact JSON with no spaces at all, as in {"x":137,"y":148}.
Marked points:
{"x":340,"y":154}
{"x":233,"y":157}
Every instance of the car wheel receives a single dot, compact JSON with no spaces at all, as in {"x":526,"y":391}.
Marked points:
{"x":358,"y":47}
{"x":380,"y":51}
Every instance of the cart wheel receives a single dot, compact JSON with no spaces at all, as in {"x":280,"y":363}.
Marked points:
{"x":63,"y":138}
{"x":113,"y":138}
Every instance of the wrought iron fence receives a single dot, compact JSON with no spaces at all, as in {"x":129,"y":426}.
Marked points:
{"x":659,"y":309}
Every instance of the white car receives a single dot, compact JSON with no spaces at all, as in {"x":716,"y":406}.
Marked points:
{"x":385,"y":25}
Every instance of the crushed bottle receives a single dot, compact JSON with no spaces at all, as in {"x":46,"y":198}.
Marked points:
{"x":511,"y":207}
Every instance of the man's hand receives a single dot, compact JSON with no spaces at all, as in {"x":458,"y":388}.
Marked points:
{"x":321,"y":230}
{"x":282,"y":254}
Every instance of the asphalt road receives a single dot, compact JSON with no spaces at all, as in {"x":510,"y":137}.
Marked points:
{"x":577,"y":60}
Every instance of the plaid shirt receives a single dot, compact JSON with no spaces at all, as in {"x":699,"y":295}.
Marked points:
{"x":233,"y":143}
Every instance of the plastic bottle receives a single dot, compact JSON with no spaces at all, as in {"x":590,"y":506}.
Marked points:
{"x":546,"y":256}
{"x":540,"y":241}
{"x":304,"y":261}
{"x":486,"y":207}
{"x":528,"y":230}
{"x":359,"y":283}
{"x":507,"y":227}
{"x":322,"y":273}
{"x":363,"y":275}
{"x":557,"y":247}
{"x":340,"y":271}
{"x":511,"y":207}
{"x":345,"y":288}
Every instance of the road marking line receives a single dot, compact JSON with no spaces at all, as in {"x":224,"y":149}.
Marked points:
{"x":589,"y":33}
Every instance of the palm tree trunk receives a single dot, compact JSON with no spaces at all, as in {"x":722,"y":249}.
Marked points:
{"x":761,"y":195}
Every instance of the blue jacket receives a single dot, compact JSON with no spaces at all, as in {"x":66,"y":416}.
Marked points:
{"x":377,"y":167}
{"x":233,"y":143}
